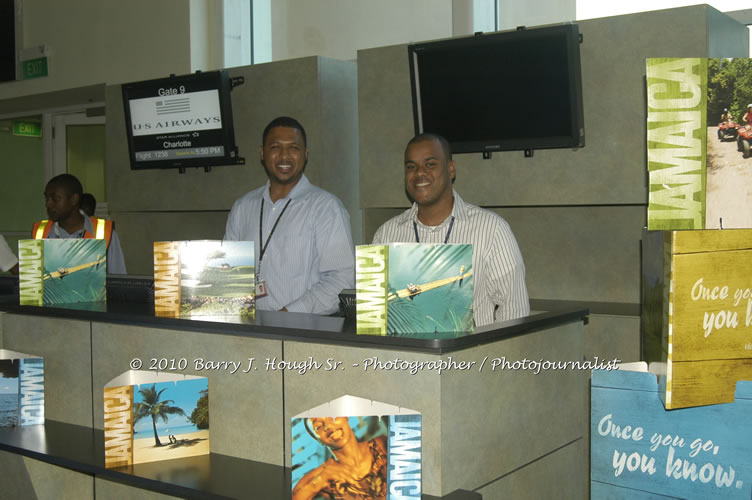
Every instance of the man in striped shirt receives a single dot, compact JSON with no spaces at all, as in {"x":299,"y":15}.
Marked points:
{"x":439,"y":215}
{"x":303,"y":246}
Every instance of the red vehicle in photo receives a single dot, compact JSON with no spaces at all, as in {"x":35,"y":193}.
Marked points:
{"x":744,"y":140}
{"x":727,"y":130}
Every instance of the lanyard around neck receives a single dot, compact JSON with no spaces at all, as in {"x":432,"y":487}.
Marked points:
{"x":261,"y":227}
{"x":449,"y":231}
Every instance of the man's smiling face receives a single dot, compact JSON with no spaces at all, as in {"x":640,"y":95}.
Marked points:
{"x":284,"y":155}
{"x":428,"y":172}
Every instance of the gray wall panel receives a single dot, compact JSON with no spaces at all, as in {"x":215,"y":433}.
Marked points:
{"x":23,"y":477}
{"x":572,"y":252}
{"x":610,"y":337}
{"x":479,"y":401}
{"x":340,"y":172}
{"x":580,"y":253}
{"x":385,"y":124}
{"x":554,"y":476}
{"x":111,"y":489}
{"x":16,"y":480}
{"x":139,"y":230}
{"x":65,"y":346}
{"x":375,"y":217}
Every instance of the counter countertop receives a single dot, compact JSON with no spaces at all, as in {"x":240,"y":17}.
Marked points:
{"x":138,"y":310}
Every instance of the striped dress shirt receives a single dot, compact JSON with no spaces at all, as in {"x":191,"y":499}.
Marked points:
{"x":309,"y":258}
{"x":498,"y":269}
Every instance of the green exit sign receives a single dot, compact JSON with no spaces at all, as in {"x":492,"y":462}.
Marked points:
{"x":34,"y":68}
{"x":27,"y":129}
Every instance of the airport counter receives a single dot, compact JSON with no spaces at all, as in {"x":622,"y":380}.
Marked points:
{"x":503,"y":410}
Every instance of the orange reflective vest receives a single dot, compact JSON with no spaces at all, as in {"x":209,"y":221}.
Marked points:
{"x":102,"y":229}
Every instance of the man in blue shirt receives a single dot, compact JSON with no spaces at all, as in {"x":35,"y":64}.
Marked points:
{"x":303,"y":246}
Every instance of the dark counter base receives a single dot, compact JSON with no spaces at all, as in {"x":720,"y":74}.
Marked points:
{"x":209,"y":476}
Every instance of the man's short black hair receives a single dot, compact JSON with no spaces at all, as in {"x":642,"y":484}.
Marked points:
{"x":284,"y":121}
{"x":430,"y":136}
{"x":68,"y":182}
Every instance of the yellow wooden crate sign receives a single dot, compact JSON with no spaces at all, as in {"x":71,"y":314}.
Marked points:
{"x":697,"y":312}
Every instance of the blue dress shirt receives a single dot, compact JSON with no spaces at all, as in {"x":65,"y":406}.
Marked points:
{"x":310,"y":256}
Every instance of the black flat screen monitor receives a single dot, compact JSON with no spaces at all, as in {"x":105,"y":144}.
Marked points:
{"x":180,"y":121}
{"x":515,"y":90}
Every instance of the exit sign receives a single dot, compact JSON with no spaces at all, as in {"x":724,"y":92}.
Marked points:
{"x":34,"y":68}
{"x":27,"y":129}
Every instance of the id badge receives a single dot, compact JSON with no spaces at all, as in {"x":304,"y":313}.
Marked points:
{"x":261,"y":289}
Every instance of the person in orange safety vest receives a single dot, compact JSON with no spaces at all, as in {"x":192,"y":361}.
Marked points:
{"x":66,"y":220}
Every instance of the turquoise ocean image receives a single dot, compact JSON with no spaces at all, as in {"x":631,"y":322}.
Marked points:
{"x":75,"y":270}
{"x":444,"y":310}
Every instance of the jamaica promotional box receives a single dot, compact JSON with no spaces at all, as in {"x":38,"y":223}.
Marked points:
{"x":151,"y":416}
{"x":21,"y":389}
{"x":697,"y":312}
{"x":59,"y":271}
{"x":356,"y":448}
{"x":414,"y":289}
{"x":639,"y":450}
{"x":204,"y":278}
{"x":698,"y":145}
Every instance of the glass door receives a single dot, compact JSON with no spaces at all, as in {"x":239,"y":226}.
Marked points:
{"x":79,"y":149}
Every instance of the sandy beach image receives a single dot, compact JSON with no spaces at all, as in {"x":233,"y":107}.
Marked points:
{"x":148,"y":421}
{"x":186,"y":445}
